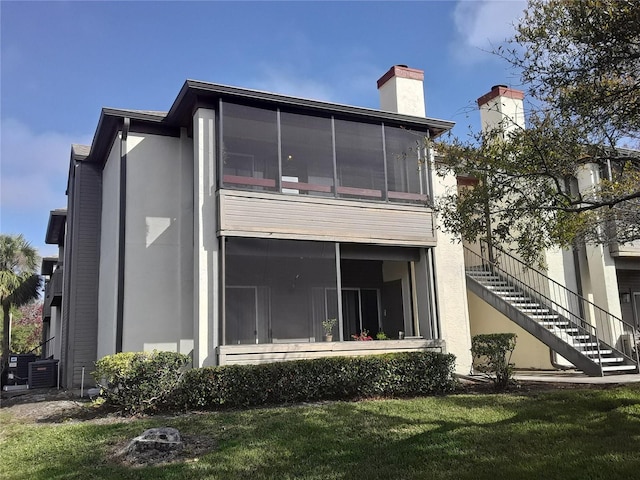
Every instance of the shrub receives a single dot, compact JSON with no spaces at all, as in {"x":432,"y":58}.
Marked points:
{"x":493,"y":355}
{"x":330,"y":378}
{"x":140,"y":382}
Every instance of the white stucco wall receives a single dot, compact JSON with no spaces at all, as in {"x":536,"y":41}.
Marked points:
{"x":503,"y":113}
{"x":108,"y":275}
{"x":55,"y":332}
{"x":158,"y":284}
{"x":403,"y":95}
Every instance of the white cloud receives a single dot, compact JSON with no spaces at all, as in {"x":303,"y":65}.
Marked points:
{"x":34,"y":166}
{"x":482,"y":25}
{"x":285,"y":80}
{"x":33,"y":177}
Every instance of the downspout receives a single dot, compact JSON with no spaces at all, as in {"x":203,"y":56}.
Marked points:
{"x":122,"y":220}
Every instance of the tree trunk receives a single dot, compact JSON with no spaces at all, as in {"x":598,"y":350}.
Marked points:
{"x":6,"y":324}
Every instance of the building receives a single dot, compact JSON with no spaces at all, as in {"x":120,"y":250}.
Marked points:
{"x":232,"y":225}
{"x":584,"y":307}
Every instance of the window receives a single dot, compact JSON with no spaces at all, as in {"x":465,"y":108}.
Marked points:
{"x":307,"y":154}
{"x":304,"y":154}
{"x":406,"y":172}
{"x":275,"y":290}
{"x":359,"y":160}
{"x":250,"y":147}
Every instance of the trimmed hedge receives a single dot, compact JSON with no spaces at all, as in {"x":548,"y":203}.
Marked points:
{"x":330,"y":378}
{"x":140,"y":382}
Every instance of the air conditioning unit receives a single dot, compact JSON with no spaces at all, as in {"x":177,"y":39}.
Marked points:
{"x":18,"y":371}
{"x":43,"y":374}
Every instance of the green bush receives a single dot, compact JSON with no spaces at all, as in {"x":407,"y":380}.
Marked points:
{"x":140,"y":382}
{"x":330,"y":378}
{"x":492,"y":353}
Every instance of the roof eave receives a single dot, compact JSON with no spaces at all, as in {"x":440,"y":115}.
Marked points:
{"x":193,"y":89}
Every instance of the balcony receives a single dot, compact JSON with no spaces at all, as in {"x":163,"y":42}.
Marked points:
{"x":53,"y":290}
{"x":292,"y":153}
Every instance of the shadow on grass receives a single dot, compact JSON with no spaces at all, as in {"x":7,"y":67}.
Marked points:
{"x":574,"y":434}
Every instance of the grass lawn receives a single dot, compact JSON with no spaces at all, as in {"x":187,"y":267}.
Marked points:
{"x":566,"y":434}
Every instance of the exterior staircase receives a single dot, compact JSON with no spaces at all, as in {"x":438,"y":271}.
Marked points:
{"x":553,"y":314}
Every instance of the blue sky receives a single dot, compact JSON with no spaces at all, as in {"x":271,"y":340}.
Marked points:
{"x":61,"y":62}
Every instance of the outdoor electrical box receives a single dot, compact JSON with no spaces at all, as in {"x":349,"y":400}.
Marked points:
{"x":18,"y":371}
{"x":43,"y":374}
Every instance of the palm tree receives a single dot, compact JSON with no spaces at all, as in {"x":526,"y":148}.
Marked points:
{"x":19,"y":282}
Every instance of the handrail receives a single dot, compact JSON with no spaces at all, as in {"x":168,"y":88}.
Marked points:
{"x":41,"y":345}
{"x":559,"y":285}
{"x":535,"y":294}
{"x":573,"y":307}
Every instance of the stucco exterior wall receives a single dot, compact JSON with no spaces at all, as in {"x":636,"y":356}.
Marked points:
{"x":108,"y":274}
{"x":529,"y":351}
{"x":504,"y":113}
{"x":156,"y":285}
{"x":403,"y":95}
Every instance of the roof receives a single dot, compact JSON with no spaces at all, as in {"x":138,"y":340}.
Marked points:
{"x":195,"y":90}
{"x":78,"y":150}
{"x":196,"y":93}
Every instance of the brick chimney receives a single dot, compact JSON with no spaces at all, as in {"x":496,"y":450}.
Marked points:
{"x":402,"y":91}
{"x":502,"y":108}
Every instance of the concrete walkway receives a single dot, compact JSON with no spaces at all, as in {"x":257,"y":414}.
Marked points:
{"x":572,"y":376}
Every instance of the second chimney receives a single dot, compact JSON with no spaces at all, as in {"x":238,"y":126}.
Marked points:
{"x":502,"y":108}
{"x":401,"y":91}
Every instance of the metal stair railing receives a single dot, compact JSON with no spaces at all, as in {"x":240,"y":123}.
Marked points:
{"x":604,"y":327}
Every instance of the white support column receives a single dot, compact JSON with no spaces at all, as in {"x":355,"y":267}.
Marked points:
{"x":451,"y":288}
{"x":206,"y":246}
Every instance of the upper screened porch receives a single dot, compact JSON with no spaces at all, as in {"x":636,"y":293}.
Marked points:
{"x":290,"y":151}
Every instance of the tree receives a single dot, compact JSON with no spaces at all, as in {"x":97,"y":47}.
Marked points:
{"x":19,"y":282}
{"x":26,"y":328}
{"x":580,"y":62}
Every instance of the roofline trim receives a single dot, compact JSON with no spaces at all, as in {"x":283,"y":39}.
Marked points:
{"x":195,"y":86}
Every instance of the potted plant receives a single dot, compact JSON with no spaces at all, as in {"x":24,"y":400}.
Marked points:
{"x":363,"y":336}
{"x":328,"y":325}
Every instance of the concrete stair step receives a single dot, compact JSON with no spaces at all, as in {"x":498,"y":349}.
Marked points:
{"x":553,"y":324}
{"x":619,"y":368}
{"x":579,"y":337}
{"x":585,"y":344}
{"x":609,"y":360}
{"x":591,"y":353}
{"x":530,"y":310}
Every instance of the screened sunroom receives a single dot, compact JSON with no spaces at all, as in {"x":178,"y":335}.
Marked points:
{"x":280,"y":150}
{"x":280,"y":291}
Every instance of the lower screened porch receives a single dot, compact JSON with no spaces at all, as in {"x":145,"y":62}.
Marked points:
{"x":278,"y":293}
